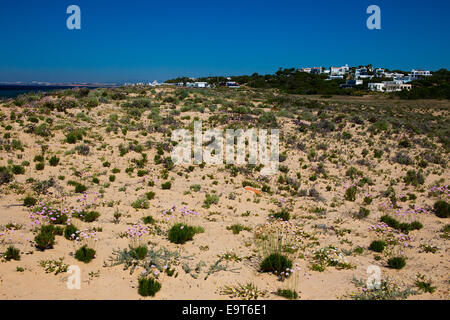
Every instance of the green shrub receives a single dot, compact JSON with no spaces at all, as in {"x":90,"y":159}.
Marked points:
{"x":150,"y":195}
{"x":287,"y":293}
{"x":441,"y":209}
{"x":5,"y":176}
{"x":181,"y":232}
{"x":46,"y":238}
{"x":89,"y":216}
{"x":54,"y":161}
{"x":38,"y":158}
{"x":166,"y":185}
{"x":377,"y":246}
{"x":404,"y":227}
{"x":112,"y":178}
{"x":209,"y":200}
{"x":148,"y":220}
{"x":275,"y":263}
{"x":85,"y":254}
{"x":141,"y":203}
{"x":236,"y":228}
{"x":70,"y":232}
{"x":17,"y":169}
{"x":142,"y":173}
{"x":40,"y":166}
{"x":363,"y":213}
{"x":414,"y":178}
{"x":350,"y":194}
{"x":148,"y":287}
{"x":283,"y":215}
{"x":73,"y":136}
{"x":12,"y":254}
{"x":397,"y":262}
{"x":29,"y":201}
{"x":79,"y":188}
{"x":139,"y":252}
{"x":82,"y":149}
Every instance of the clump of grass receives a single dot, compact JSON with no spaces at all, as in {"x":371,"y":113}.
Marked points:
{"x":414,"y":178}
{"x":89,"y":216}
{"x":166,"y":185}
{"x":276,"y":263}
{"x":139,"y":253}
{"x":148,"y":220}
{"x":424,"y":285}
{"x":284,"y":215}
{"x":29,"y":201}
{"x":12,"y":253}
{"x":150,"y":195}
{"x":288,"y":294}
{"x":46,"y":237}
{"x":17,"y":169}
{"x":85,"y":254}
{"x":70,"y":232}
{"x":209,"y":200}
{"x":350,"y":194}
{"x":397,"y":263}
{"x":54,"y":160}
{"x":236,"y":228}
{"x":180,"y":233}
{"x":141,"y":203}
{"x":79,"y":188}
{"x":148,"y":287}
{"x":363,"y":213}
{"x":441,"y":209}
{"x":404,"y":227}
{"x":377,"y":246}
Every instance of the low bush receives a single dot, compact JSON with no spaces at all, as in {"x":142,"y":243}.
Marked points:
{"x":29,"y":201}
{"x":276,"y":263}
{"x":441,"y":209}
{"x":287,"y":293}
{"x":181,"y":233}
{"x":12,"y":254}
{"x":54,"y":161}
{"x":85,"y":254}
{"x":397,"y":262}
{"x":46,"y":238}
{"x":70,"y":232}
{"x":148,"y":287}
{"x":377,"y":246}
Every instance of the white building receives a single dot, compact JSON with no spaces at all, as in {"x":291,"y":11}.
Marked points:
{"x":416,"y":74}
{"x":392,"y":86}
{"x":339,"y":71}
{"x":379,"y":87}
{"x":362,"y":73}
{"x":200,"y":85}
{"x":389,"y":86}
{"x":316,"y":70}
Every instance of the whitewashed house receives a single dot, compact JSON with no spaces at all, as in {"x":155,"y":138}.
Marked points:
{"x":379,"y":87}
{"x":417,"y":74}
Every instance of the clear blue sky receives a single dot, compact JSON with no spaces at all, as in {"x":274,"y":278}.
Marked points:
{"x":144,"y":40}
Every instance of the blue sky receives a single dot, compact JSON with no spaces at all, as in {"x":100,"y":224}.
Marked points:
{"x":145,"y":40}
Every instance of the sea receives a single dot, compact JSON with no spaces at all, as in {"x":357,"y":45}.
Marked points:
{"x":12,"y":91}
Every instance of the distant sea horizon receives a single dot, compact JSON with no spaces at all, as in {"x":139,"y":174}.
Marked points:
{"x":12,"y":90}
